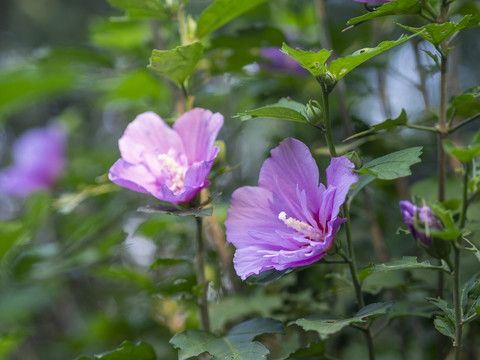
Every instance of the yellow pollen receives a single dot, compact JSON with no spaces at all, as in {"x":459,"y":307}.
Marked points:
{"x":301,"y":227}
{"x":175,"y":170}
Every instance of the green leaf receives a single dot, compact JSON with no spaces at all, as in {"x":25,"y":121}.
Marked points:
{"x":394,"y":165}
{"x":443,"y":305}
{"x":176,"y":64}
{"x":128,"y":351}
{"x":466,"y":104}
{"x":314,"y":349}
{"x":472,"y":248}
{"x":340,"y":67}
{"x":221,"y":12}
{"x":178,"y":210}
{"x":445,"y":326}
{"x":385,"y":125}
{"x":364,"y":180}
{"x":237,"y":344}
{"x":405,"y":263}
{"x":436,"y":33}
{"x":167,"y":262}
{"x":312,"y":61}
{"x":12,"y":233}
{"x":465,"y":155}
{"x":141,"y":8}
{"x":450,"y":231}
{"x":268,"y":276}
{"x":326,"y":327}
{"x":285,"y":109}
{"x":391,"y":8}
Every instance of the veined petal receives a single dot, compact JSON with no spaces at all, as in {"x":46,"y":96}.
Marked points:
{"x":250,"y":212}
{"x":133,"y":177}
{"x":293,"y":165}
{"x":248,"y":261}
{"x":340,"y":175}
{"x":148,"y":133}
{"x":325,"y":213}
{"x":198,"y":129}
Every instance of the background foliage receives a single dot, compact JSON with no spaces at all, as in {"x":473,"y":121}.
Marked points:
{"x":81,"y":271}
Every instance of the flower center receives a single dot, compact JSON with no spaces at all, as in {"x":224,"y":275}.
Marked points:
{"x":173,"y":171}
{"x":301,"y":227}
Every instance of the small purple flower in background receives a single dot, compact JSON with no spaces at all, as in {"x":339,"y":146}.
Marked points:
{"x":171,"y":164}
{"x":288,"y":220}
{"x":275,"y":60}
{"x":38,"y":161}
{"x":418,"y":219}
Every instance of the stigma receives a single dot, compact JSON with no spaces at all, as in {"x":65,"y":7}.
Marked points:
{"x":173,"y":171}
{"x":301,"y":227}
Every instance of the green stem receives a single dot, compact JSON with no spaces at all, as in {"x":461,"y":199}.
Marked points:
{"x":328,"y":124}
{"x":457,"y":304}
{"x":459,"y":321}
{"x":351,"y":253}
{"x":423,"y":128}
{"x":201,"y":282}
{"x":464,"y":122}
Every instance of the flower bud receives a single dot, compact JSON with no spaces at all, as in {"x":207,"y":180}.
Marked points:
{"x":314,"y":113}
{"x":327,"y":81}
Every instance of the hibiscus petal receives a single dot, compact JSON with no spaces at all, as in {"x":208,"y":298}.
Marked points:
{"x":40,"y":152}
{"x":133,"y":177}
{"x":16,"y":181}
{"x":148,"y":133}
{"x":248,"y":261}
{"x":250,"y":213}
{"x":340,"y":175}
{"x":198,"y":129}
{"x":293,"y":165}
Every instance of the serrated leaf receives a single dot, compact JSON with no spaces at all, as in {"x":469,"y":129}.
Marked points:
{"x":450,"y":231}
{"x":128,"y":351}
{"x":472,"y":248}
{"x":340,"y":67}
{"x":285,"y":109}
{"x":436,"y":33}
{"x":394,"y":165}
{"x":445,"y":326}
{"x":221,"y":12}
{"x":391,"y":8}
{"x":177,"y":211}
{"x":141,"y":8}
{"x":465,"y":155}
{"x":443,"y":305}
{"x":314,"y":349}
{"x":405,"y":263}
{"x":326,"y":327}
{"x":312,"y":61}
{"x":268,"y":276}
{"x":466,"y":104}
{"x":176,"y":64}
{"x":237,"y":344}
{"x":385,"y":125}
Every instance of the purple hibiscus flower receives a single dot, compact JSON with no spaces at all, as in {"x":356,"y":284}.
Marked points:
{"x":275,"y":60}
{"x":418,"y":220}
{"x":289,"y":219}
{"x":38,"y":161}
{"x":171,"y":164}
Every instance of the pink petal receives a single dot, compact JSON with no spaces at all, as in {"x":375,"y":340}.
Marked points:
{"x":340,"y":175}
{"x":198,"y":129}
{"x":147,"y":134}
{"x":133,"y":177}
{"x":291,"y":164}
